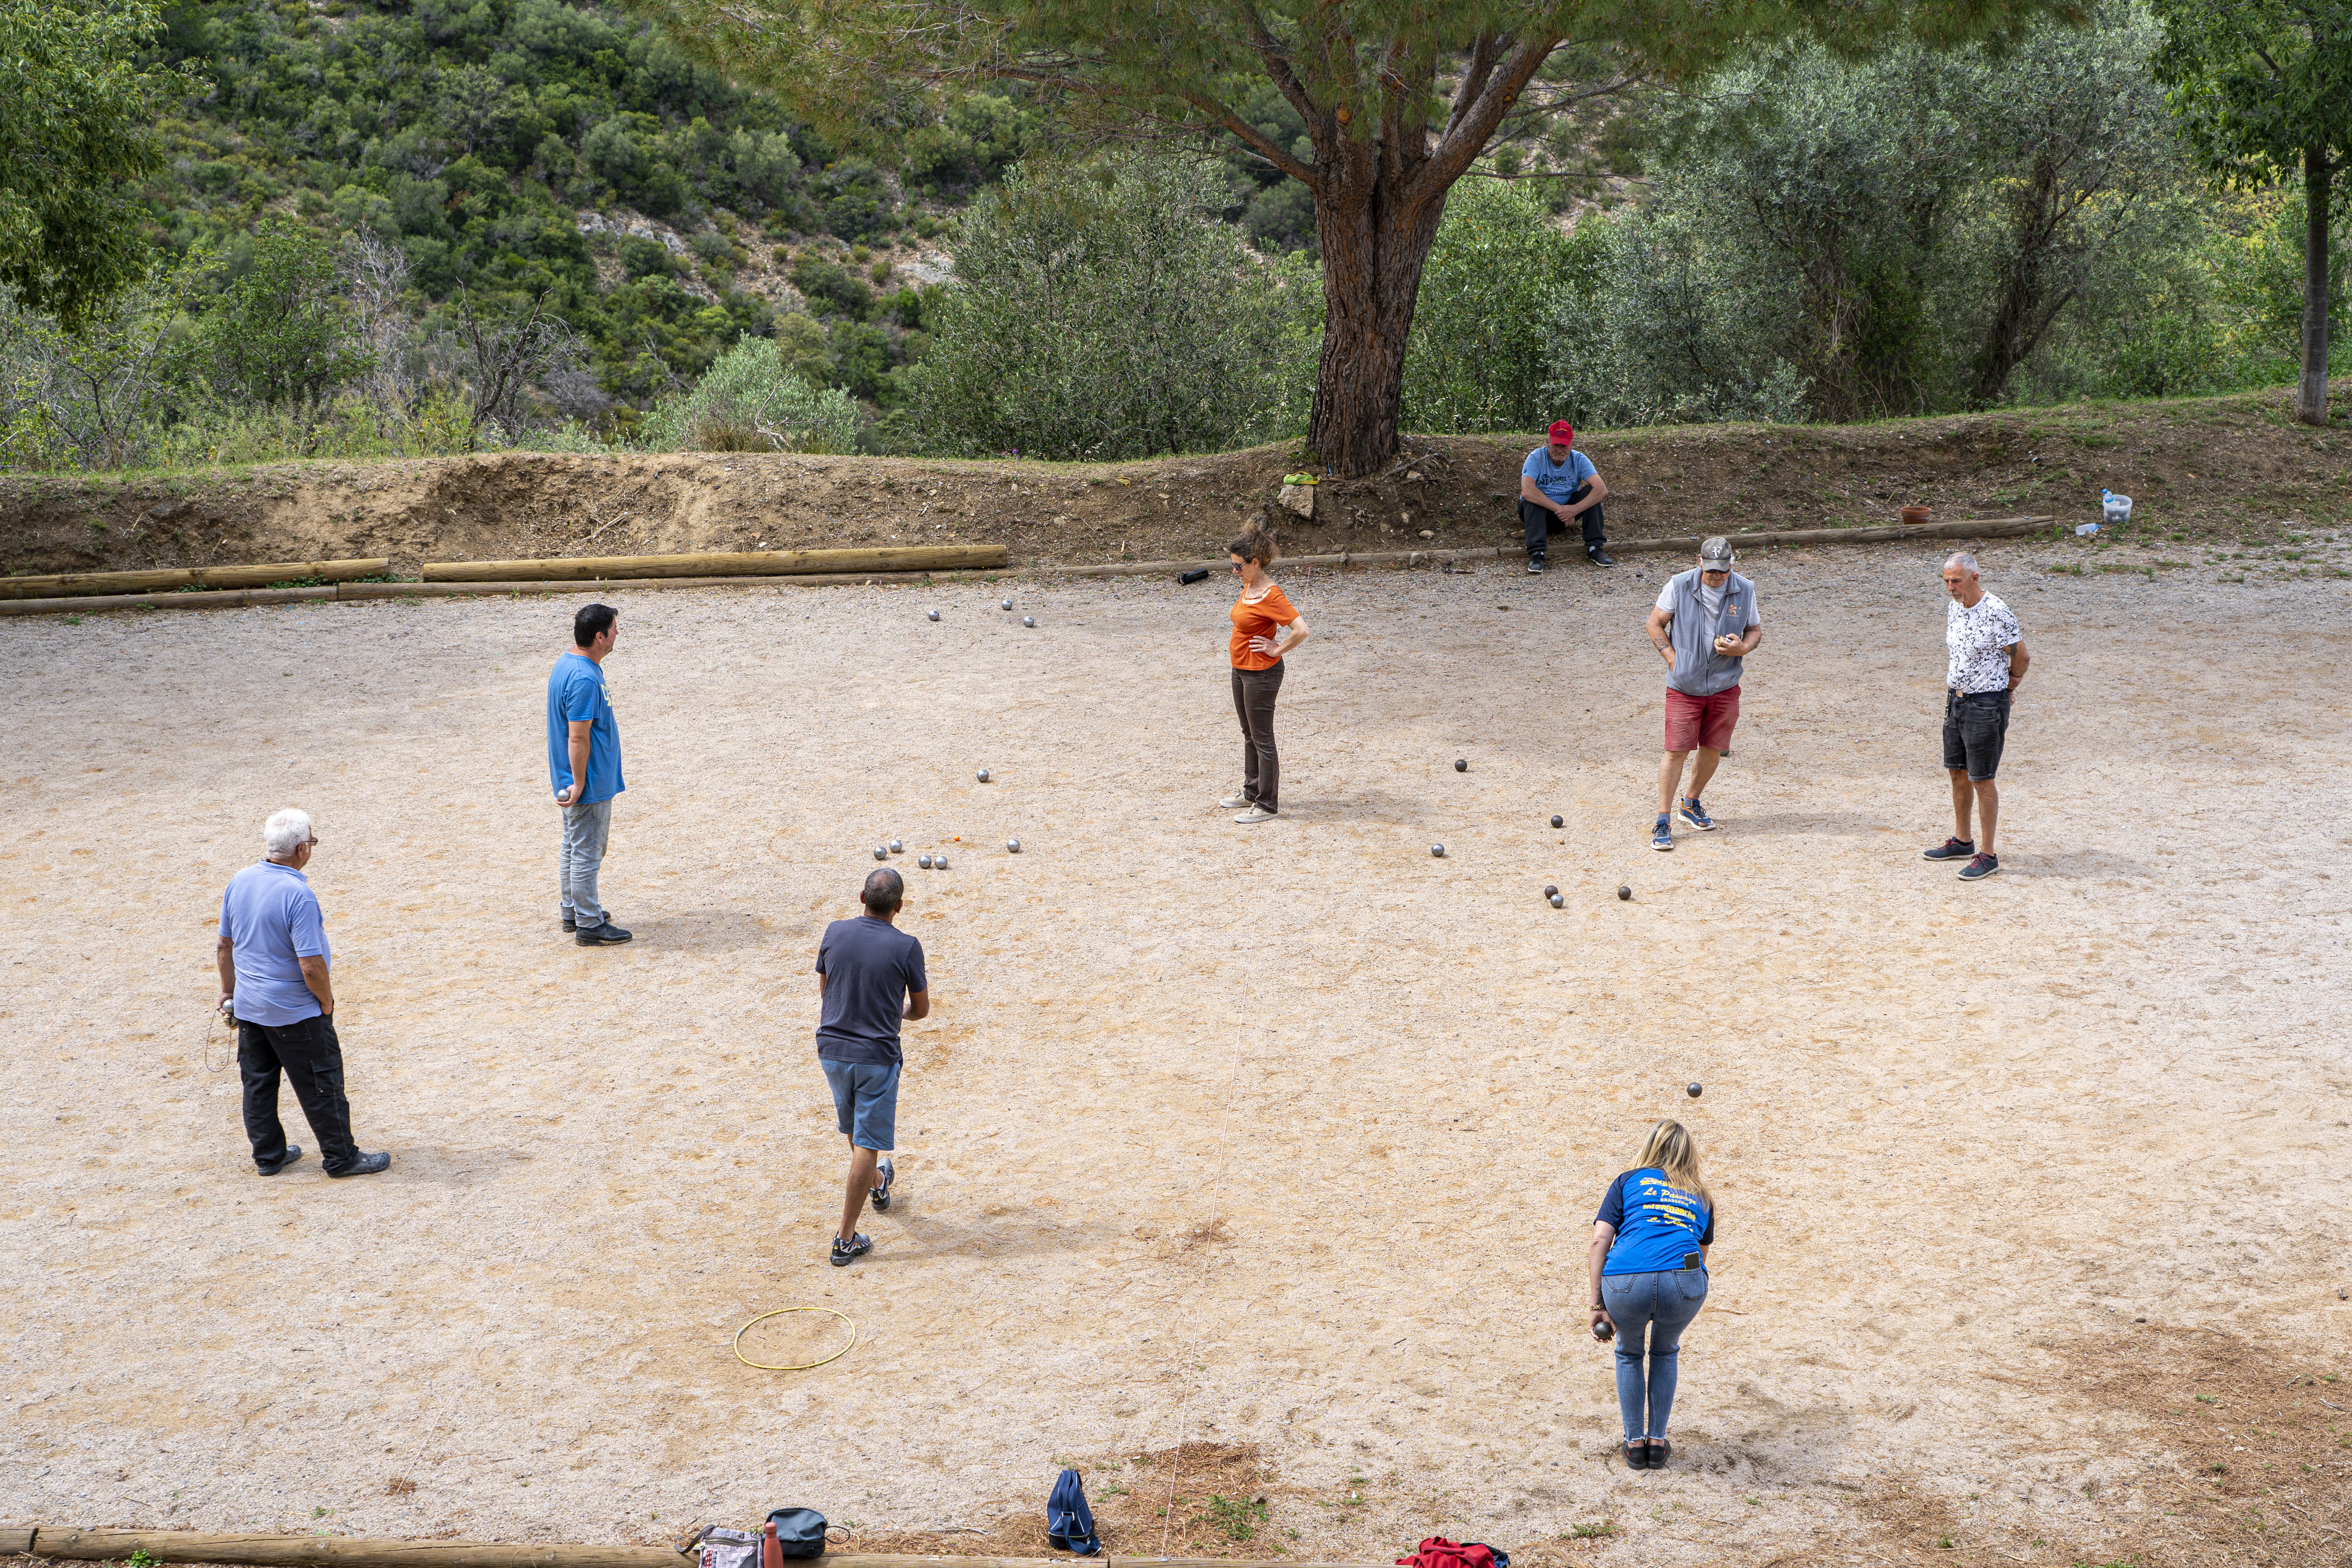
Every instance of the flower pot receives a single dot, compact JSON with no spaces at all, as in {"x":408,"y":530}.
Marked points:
{"x":1915,"y":515}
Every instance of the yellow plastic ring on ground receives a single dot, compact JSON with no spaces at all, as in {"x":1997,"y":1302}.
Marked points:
{"x":802,"y":1366}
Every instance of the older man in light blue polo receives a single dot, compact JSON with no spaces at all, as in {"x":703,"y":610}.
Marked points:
{"x":276,"y":983}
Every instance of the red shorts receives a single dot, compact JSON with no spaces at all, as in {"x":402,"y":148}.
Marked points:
{"x":1696,"y":721}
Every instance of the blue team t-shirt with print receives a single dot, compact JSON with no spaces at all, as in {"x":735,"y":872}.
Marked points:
{"x":575,"y":689}
{"x":1558,"y":481}
{"x":1657,"y":1223}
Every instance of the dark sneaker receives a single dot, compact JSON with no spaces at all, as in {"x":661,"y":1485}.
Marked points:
{"x":364,"y":1165}
{"x":1662,"y":836}
{"x":1660,"y":1452}
{"x":845,"y":1253}
{"x":293,"y":1153}
{"x":1979,"y":866}
{"x":606,"y":935}
{"x":1598,"y":556}
{"x":569,"y":924}
{"x":1696,"y":815}
{"x":1953,"y":849}
{"x":881,"y":1194}
{"x":1535,"y":565}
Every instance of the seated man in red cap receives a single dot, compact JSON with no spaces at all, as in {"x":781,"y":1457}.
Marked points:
{"x":1558,"y":486}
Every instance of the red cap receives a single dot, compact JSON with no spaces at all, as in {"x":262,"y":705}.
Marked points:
{"x":1562,"y":433}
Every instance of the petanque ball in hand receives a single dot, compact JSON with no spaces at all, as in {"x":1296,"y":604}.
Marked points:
{"x":1556,"y":822}
{"x":1624,"y":892}
{"x":934,"y":615}
{"x":1695,"y":1090}
{"x":1461,"y":764}
{"x":1557,"y":902}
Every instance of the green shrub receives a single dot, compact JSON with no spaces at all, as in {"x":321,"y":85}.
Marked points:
{"x":747,"y":402}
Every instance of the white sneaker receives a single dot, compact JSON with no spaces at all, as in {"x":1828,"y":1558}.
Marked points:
{"x":1234,"y":802}
{"x":1256,"y":814}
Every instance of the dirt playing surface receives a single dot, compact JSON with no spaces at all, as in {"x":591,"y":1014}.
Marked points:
{"x":2203,"y":469}
{"x":1235,"y":1162}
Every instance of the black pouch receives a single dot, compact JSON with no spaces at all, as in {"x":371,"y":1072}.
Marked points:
{"x":800,"y":1532}
{"x":1690,"y":1260}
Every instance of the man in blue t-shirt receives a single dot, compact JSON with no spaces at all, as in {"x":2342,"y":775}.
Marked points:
{"x":871,"y":979}
{"x":1559,"y":485}
{"x":276,"y":984}
{"x":584,"y":760}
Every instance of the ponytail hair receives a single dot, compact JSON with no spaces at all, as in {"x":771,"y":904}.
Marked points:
{"x":1254,"y":544}
{"x":1670,"y":1148}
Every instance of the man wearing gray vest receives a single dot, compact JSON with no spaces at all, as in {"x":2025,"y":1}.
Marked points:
{"x":1704,"y":626}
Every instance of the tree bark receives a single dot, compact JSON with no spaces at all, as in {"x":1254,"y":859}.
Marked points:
{"x":1375,"y":237}
{"x":2311,"y":391}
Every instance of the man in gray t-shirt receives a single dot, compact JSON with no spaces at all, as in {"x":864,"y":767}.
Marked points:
{"x":1704,"y":625}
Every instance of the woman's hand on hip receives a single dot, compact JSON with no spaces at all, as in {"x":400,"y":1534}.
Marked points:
{"x":1266,"y":646}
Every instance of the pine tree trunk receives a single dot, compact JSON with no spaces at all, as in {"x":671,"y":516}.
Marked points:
{"x":2311,"y":391}
{"x":1374,"y":245}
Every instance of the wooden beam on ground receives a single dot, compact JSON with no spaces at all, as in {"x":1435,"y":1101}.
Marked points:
{"x":165,"y":578}
{"x":725,"y":563}
{"x":366,"y":1551}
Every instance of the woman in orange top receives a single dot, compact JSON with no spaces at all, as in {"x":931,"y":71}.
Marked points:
{"x":1262,"y":609}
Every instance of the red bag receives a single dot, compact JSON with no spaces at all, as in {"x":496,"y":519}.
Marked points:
{"x":1439,"y":1553}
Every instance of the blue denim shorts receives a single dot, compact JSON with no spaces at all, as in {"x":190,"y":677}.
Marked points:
{"x":865,"y":1101}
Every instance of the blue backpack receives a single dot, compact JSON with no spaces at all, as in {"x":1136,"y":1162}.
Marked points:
{"x":1068,"y":1520}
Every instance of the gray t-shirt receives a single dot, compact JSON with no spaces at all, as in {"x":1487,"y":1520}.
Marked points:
{"x":870,"y":967}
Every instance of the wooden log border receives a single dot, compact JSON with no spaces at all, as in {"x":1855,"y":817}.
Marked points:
{"x":367,"y":1552}
{"x":725,"y":563}
{"x":1993,"y":528}
{"x":162,"y":578}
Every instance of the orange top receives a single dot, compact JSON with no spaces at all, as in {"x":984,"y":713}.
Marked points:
{"x":1259,"y":618}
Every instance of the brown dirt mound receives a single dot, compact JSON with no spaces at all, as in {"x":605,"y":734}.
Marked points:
{"x":2198,"y":466}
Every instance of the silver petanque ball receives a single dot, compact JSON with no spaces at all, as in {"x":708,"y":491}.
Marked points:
{"x":983,"y":775}
{"x":1012,"y":847}
{"x":1438,"y":851}
{"x":880,"y":853}
{"x":924,"y":861}
{"x":939,"y":862}
{"x":933,"y":614}
{"x":1557,"y":902}
{"x":898,"y":847}
{"x":1028,"y":620}
{"x":1008,"y":604}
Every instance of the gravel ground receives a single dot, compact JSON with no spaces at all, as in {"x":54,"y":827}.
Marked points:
{"x":1286,"y":1136}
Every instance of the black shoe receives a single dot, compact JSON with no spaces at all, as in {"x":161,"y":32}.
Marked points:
{"x":881,"y":1194}
{"x":365,"y":1165}
{"x":1535,"y":563}
{"x":1659,"y":1449}
{"x":293,"y":1153}
{"x":571,"y":924}
{"x":606,"y":935}
{"x":1598,"y":556}
{"x":1953,"y":849}
{"x":847,"y":1252}
{"x":1637,"y":1455}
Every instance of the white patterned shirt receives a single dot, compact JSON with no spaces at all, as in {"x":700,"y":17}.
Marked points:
{"x":1978,"y":638}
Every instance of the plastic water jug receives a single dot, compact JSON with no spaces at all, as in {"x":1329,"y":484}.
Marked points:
{"x":2115,"y":510}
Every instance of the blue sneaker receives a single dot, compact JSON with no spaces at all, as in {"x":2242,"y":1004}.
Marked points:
{"x":1661,"y":837}
{"x":1696,"y":815}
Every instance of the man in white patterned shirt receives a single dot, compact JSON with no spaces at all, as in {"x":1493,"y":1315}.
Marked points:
{"x":1988,"y":662}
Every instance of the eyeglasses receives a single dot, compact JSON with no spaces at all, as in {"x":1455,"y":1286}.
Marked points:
{"x":1237,"y":565}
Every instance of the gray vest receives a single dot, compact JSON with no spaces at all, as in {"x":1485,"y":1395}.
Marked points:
{"x":1699,"y":670}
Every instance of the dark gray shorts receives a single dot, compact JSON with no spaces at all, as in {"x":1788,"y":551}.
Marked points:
{"x":1976,"y":727}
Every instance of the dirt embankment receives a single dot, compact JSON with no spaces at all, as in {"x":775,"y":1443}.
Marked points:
{"x":2234,"y":465}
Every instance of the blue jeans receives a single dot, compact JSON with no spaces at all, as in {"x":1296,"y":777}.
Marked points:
{"x":585,"y":829}
{"x":1658,"y":1308}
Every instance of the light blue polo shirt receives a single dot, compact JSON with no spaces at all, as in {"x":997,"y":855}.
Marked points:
{"x":575,"y":689}
{"x":1558,"y":481}
{"x":271,"y":917}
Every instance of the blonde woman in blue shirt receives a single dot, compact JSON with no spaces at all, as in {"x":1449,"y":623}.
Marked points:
{"x":1648,"y":1269}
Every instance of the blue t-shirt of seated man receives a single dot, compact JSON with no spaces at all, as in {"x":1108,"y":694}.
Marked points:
{"x":1657,"y":1223}
{"x":271,"y":918}
{"x":870,"y":968}
{"x":575,"y":689}
{"x":1558,"y":481}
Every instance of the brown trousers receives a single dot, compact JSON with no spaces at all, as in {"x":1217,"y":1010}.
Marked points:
{"x":1254,"y":694}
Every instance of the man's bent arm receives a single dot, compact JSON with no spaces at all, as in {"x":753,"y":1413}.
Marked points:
{"x":2018,"y":659}
{"x":1600,"y":493}
{"x":1528,"y":492}
{"x":314,"y":975}
{"x":919,"y":1006}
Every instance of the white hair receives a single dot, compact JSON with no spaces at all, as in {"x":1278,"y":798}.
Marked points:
{"x":286,"y":831}
{"x":1963,"y":560}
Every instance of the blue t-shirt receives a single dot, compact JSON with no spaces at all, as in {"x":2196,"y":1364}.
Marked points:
{"x":1559,"y":480}
{"x":870,"y":967}
{"x":575,"y":689}
{"x":1657,"y":1223}
{"x":271,"y":918}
